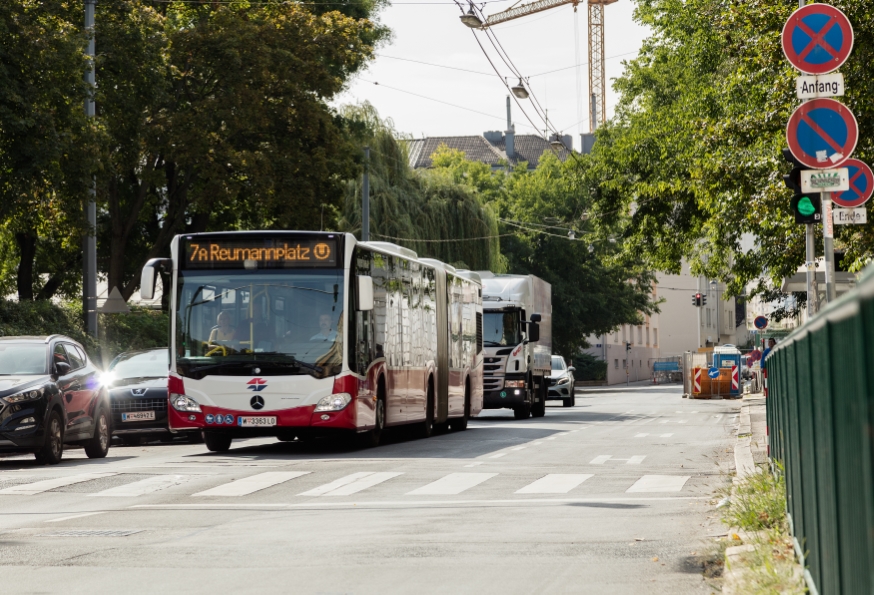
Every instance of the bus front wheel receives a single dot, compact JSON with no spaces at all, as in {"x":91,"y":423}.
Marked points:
{"x":217,"y":441}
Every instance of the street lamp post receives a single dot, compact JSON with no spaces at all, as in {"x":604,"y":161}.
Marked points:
{"x":89,"y":240}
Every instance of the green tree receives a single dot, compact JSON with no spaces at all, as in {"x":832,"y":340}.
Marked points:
{"x":592,"y":291}
{"x":691,"y":164}
{"x":47,"y":148}
{"x":427,"y":211}
{"x":218,"y":118}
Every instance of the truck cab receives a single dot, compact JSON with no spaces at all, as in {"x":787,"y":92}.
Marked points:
{"x":517,"y":339}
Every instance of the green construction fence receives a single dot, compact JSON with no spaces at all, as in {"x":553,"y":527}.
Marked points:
{"x":821,"y":427}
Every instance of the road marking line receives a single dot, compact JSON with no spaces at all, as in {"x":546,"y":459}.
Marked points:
{"x":452,"y":484}
{"x":145,"y":486}
{"x":254,"y":483}
{"x":555,"y":483}
{"x":474,"y":464}
{"x":666,"y":435}
{"x":641,"y":435}
{"x":337,"y":483}
{"x":498,"y":456}
{"x":75,"y":516}
{"x":659,"y":483}
{"x":550,"y":438}
{"x":538,"y":442}
{"x":30,"y":489}
{"x":600,"y":460}
{"x":635,"y":460}
{"x":518,"y":448}
{"x":362,"y":483}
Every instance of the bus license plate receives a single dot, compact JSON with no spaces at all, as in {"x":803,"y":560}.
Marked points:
{"x":138,"y":416}
{"x":257,"y":422}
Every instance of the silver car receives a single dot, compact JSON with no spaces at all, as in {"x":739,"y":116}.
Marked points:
{"x":561,"y":382}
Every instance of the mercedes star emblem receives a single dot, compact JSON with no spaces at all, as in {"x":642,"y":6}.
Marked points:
{"x":257,"y":402}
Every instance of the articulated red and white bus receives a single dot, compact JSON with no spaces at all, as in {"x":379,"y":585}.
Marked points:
{"x":297,"y":334}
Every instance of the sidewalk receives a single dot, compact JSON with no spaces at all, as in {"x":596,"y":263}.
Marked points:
{"x":751,"y":447}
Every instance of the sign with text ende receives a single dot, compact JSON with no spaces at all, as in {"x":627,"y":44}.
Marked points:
{"x":850,"y":216}
{"x":814,"y":87}
{"x":825,"y":180}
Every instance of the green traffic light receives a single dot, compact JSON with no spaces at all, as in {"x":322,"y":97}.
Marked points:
{"x":805,"y":206}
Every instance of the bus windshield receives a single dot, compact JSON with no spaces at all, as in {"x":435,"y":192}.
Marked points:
{"x":501,"y":328}
{"x":264,"y":322}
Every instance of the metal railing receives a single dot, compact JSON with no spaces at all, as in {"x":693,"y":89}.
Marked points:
{"x":821,"y":427}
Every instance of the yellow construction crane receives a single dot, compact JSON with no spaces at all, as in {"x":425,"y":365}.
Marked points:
{"x":597,"y":76}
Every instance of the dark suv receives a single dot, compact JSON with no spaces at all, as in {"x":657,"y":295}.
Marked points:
{"x":50,"y":395}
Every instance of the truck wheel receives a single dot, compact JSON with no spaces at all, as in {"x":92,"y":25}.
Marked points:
{"x":538,"y":409}
{"x":522,"y":411}
{"x":98,"y":446}
{"x":53,"y":450}
{"x":217,"y":442}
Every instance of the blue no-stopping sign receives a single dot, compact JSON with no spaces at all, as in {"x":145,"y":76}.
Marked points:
{"x":822,"y":133}
{"x":817,"y":39}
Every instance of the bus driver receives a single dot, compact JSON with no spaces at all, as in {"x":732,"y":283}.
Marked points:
{"x":325,"y":333}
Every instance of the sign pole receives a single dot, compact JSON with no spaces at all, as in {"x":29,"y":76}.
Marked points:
{"x":828,"y":234}
{"x":810,"y":250}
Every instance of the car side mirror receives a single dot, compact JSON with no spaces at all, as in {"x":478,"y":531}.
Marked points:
{"x":534,"y":331}
{"x":365,"y":293}
{"x":571,"y":369}
{"x":62,"y":368}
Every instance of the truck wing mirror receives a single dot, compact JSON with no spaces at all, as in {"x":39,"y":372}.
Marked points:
{"x":365,"y":293}
{"x":149,"y":276}
{"x":534,"y":331}
{"x":536,"y":318}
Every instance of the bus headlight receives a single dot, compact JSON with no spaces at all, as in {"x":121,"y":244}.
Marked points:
{"x":334,"y":402}
{"x":184,"y":403}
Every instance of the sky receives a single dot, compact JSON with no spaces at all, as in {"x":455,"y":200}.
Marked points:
{"x":410,"y":92}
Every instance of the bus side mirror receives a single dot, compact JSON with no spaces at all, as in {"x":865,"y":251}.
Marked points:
{"x":149,"y":276}
{"x":534,"y":331}
{"x":365,"y":293}
{"x":536,"y":318}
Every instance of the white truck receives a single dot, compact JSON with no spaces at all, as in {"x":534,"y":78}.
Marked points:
{"x":517,"y":338}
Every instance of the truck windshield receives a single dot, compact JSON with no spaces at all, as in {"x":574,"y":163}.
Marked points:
{"x":501,"y":328}
{"x":278,"y":322}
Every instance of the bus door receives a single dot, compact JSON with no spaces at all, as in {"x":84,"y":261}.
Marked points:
{"x":443,"y":347}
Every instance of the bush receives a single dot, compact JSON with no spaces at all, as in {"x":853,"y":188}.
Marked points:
{"x":758,"y":502}
{"x":141,"y":329}
{"x":589,"y":367}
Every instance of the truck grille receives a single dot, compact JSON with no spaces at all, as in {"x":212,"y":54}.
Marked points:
{"x":128,"y":405}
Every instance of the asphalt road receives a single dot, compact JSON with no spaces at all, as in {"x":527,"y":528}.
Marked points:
{"x":613,"y":495}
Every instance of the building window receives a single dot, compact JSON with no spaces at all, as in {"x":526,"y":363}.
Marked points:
{"x":647,"y":335}
{"x":624,"y":364}
{"x":624,"y":333}
{"x":640,"y":335}
{"x":616,"y":363}
{"x":655,"y":339}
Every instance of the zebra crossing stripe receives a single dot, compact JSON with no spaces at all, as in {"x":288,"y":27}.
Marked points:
{"x":555,"y":483}
{"x":38,"y":487}
{"x":253,"y":483}
{"x":142,"y":487}
{"x":452,"y":484}
{"x":659,"y":483}
{"x":351,"y":484}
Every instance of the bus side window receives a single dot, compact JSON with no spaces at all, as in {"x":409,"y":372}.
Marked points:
{"x":361,"y":343}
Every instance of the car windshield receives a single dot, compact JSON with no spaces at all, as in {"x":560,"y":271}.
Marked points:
{"x":278,"y":321}
{"x":558,"y":364}
{"x":150,"y":364}
{"x":22,"y":359}
{"x":501,"y":328}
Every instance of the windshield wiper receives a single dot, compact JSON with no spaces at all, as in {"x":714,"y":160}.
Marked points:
{"x":294,"y":364}
{"x":491,"y":343}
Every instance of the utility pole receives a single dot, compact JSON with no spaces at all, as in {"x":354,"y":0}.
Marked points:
{"x":365,"y":198}
{"x":89,"y":240}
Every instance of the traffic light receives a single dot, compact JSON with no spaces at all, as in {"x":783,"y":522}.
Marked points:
{"x":806,"y":206}
{"x":696,"y":300}
{"x":704,"y":299}
{"x":627,"y":346}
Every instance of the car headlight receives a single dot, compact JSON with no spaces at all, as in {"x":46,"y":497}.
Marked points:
{"x":564,"y":380}
{"x":28,"y":395}
{"x":514,"y":383}
{"x":334,"y":402}
{"x":184,"y":403}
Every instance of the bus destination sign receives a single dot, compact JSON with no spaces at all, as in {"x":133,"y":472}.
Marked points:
{"x":260,"y":253}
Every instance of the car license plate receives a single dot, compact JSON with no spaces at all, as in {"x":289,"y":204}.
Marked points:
{"x":257,"y":422}
{"x":138,"y":416}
